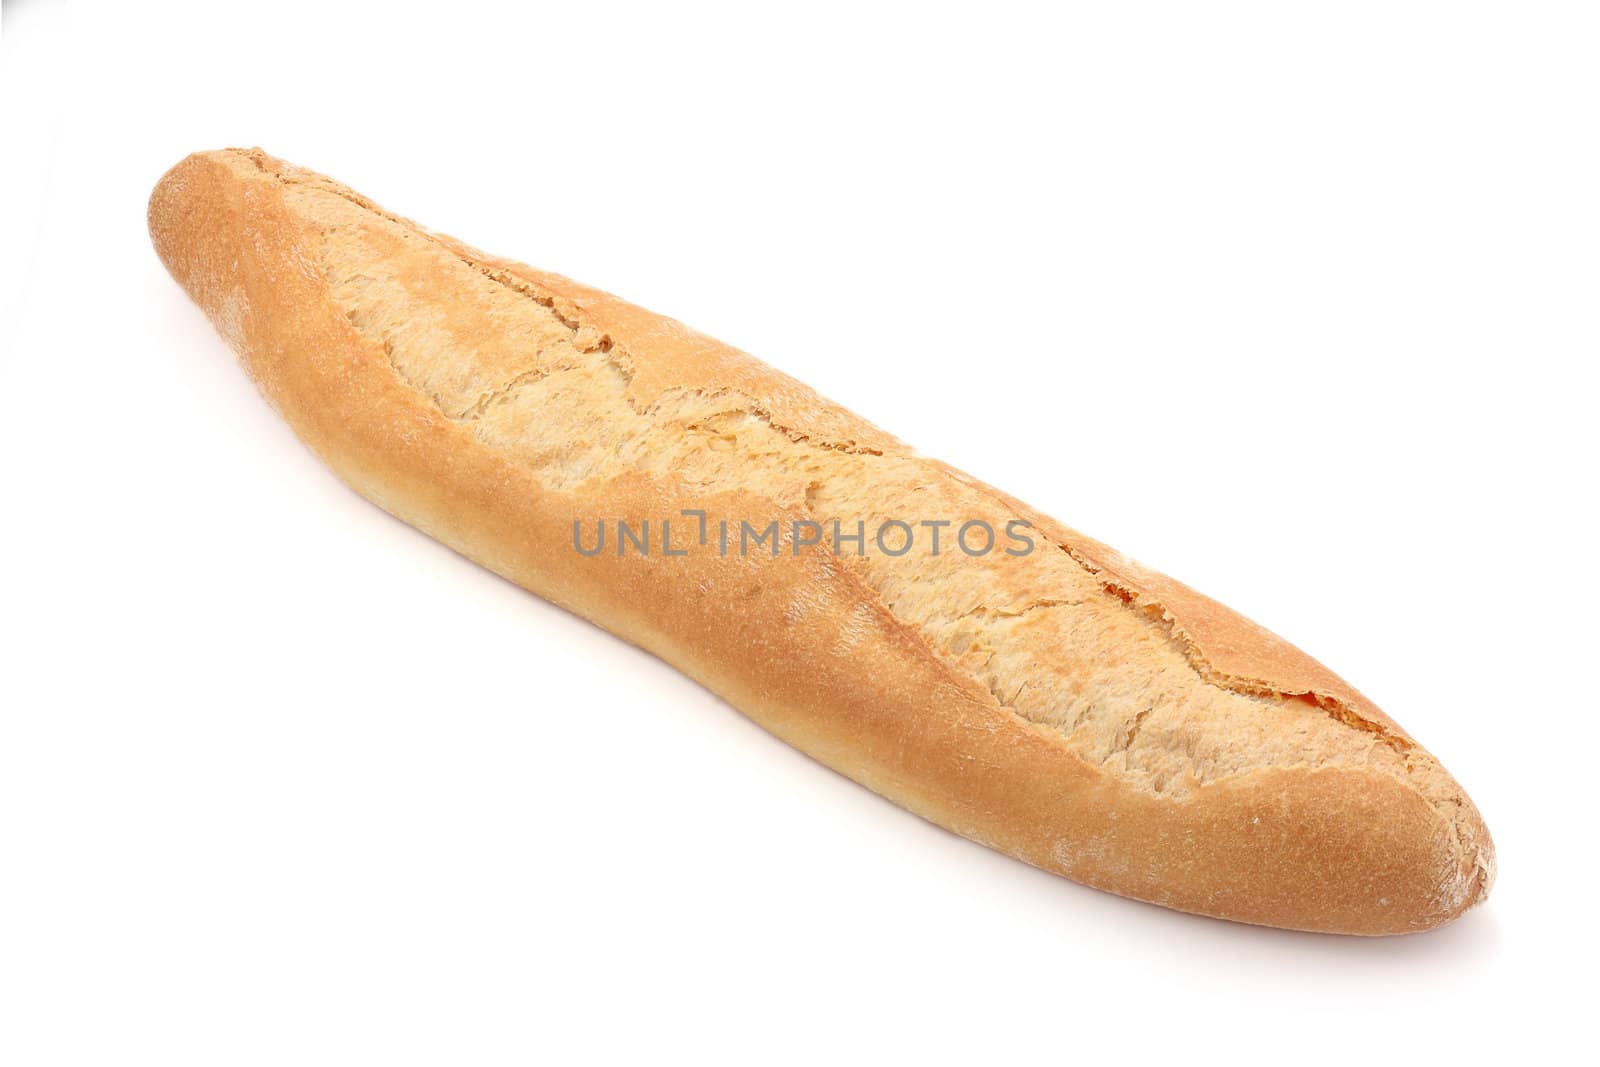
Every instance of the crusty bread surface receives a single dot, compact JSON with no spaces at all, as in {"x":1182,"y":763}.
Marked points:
{"x":1063,"y":705}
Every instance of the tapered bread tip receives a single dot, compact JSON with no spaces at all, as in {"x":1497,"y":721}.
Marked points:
{"x":174,"y":223}
{"x":171,"y":198}
{"x":1469,"y":866}
{"x":183,"y":208}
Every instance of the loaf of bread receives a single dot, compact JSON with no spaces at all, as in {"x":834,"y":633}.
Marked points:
{"x":934,"y":639}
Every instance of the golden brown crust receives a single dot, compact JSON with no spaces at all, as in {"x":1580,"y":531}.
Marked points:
{"x":915,"y":695}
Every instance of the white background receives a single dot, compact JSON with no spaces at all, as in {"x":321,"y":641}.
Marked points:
{"x":1296,"y":302}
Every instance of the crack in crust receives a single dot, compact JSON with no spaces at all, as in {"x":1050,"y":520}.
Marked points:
{"x":709,"y":436}
{"x":586,"y":338}
{"x":589,"y":339}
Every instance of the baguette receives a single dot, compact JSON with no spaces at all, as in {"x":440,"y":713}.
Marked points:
{"x":1047,"y":697}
